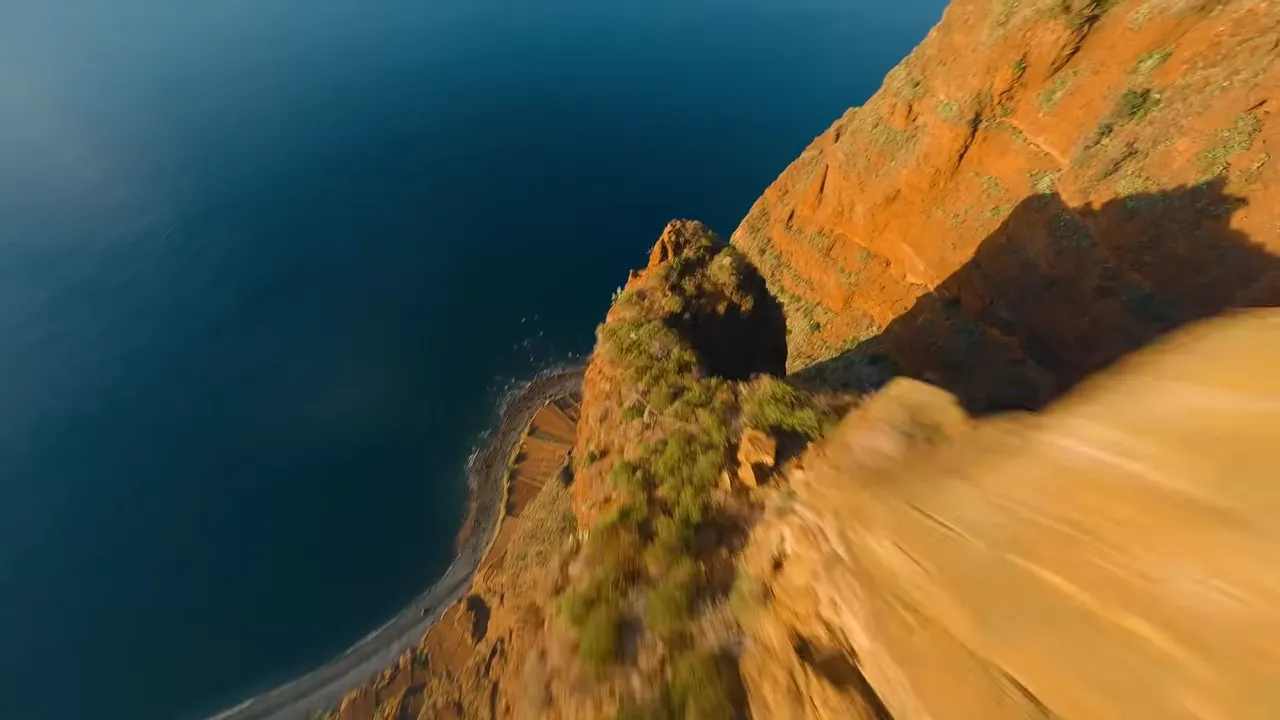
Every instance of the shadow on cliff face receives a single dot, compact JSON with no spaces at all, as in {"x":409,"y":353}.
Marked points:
{"x":735,"y":340}
{"x":736,"y":327}
{"x":1058,"y":292}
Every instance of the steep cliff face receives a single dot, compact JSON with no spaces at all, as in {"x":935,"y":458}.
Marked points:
{"x":1039,"y":187}
{"x":1114,"y":557}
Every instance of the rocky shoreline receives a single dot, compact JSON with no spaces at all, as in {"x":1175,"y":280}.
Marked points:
{"x":323,"y":687}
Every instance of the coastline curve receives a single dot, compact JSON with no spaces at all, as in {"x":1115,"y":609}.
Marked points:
{"x":325,"y":686}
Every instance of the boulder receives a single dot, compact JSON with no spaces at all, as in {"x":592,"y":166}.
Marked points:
{"x":757,"y":454}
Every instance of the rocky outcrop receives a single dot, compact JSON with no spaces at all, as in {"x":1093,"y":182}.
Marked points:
{"x":1041,"y":186}
{"x":717,"y":306}
{"x":757,"y":453}
{"x":1113,"y":557}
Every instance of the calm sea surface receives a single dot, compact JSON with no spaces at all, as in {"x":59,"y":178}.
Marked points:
{"x":265,"y":266}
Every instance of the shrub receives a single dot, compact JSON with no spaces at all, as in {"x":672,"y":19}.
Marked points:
{"x":616,"y":536}
{"x":668,"y":531}
{"x":1051,"y":95}
{"x":628,"y":478}
{"x":601,"y":591}
{"x":703,"y":687}
{"x":690,"y":508}
{"x":676,"y":267}
{"x":1151,"y":60}
{"x":774,"y":405}
{"x":1019,"y":68}
{"x":614,"y":553}
{"x":747,"y":595}
{"x":660,"y":558}
{"x":1136,"y":104}
{"x":684,"y":459}
{"x":664,"y":391}
{"x":703,"y":394}
{"x":598,"y":639}
{"x":573,"y":607}
{"x":671,"y":543}
{"x":633,"y":412}
{"x":1084,"y":15}
{"x":669,"y":608}
{"x":673,"y":304}
{"x":726,"y":270}
{"x":700,"y":394}
{"x":680,"y":411}
{"x":713,"y":429}
{"x":648,"y":346}
{"x":623,"y":518}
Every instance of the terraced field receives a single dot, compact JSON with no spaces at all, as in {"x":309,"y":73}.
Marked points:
{"x":539,"y":457}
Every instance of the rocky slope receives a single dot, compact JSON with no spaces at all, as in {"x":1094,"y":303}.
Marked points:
{"x":1039,"y":187}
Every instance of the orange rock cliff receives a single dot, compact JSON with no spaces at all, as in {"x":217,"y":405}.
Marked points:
{"x":1039,"y":187}
{"x":974,"y":416}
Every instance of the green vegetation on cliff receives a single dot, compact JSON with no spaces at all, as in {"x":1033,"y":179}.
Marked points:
{"x":683,"y":342}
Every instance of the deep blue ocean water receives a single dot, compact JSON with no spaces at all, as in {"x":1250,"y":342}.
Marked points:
{"x":265,"y":266}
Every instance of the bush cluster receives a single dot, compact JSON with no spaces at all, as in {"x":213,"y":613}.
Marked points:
{"x":774,"y":405}
{"x":702,"y":687}
{"x":643,"y":557}
{"x":642,"y":553}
